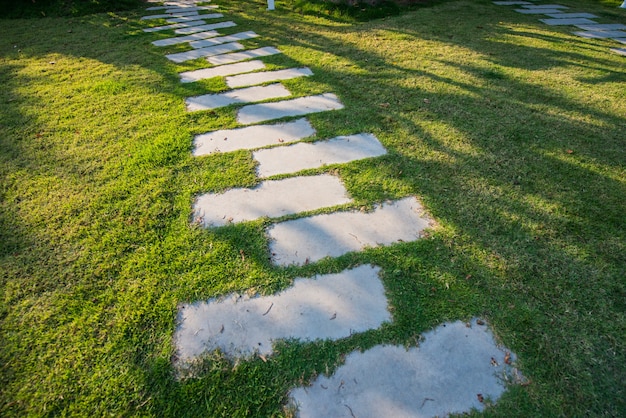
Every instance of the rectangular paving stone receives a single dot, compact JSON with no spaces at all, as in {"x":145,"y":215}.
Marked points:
{"x":221,"y":71}
{"x":175,"y":26}
{"x":271,"y":199}
{"x":169,"y":16}
{"x":247,"y":95}
{"x":602,"y":26}
{"x":571,"y":15}
{"x":266,"y":76}
{"x":620,"y":40}
{"x":302,"y":156}
{"x":193,"y":18}
{"x":577,"y":21}
{"x":510,"y":3}
{"x":174,"y":9}
{"x":204,"y":52}
{"x":545,"y":6}
{"x":223,"y":39}
{"x":620,"y":51}
{"x":183,"y":39}
{"x":203,"y":27}
{"x":252,"y":137}
{"x":242,"y":56}
{"x":601,"y":34}
{"x":536,"y":11}
{"x":305,"y":240}
{"x":324,"y":307}
{"x":295,"y":107}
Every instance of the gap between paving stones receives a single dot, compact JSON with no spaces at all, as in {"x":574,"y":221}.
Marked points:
{"x":241,"y":56}
{"x":247,"y":95}
{"x":295,"y":107}
{"x":204,"y":52}
{"x":203,"y":27}
{"x":221,"y":71}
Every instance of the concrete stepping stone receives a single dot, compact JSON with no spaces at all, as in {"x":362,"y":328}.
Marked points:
{"x":295,"y":107}
{"x":174,"y":9}
{"x":571,"y":22}
{"x":545,"y":6}
{"x":176,"y":26}
{"x":204,"y":52}
{"x":203,"y":27}
{"x":242,"y":56}
{"x":601,"y":34}
{"x":536,"y":11}
{"x":602,"y":27}
{"x":271,"y":199}
{"x":251,"y":137}
{"x":169,"y":16}
{"x":267,"y":76}
{"x":247,"y":95}
{"x":183,"y":39}
{"x":223,"y":39}
{"x":302,"y":156}
{"x":571,"y":15}
{"x":452,"y":371}
{"x":305,"y":240}
{"x":620,"y":40}
{"x":193,"y":18}
{"x":221,"y":71}
{"x":510,"y":3}
{"x":325,"y":307}
{"x":620,"y":51}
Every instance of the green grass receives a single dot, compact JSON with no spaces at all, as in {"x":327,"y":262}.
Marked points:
{"x":510,"y":132}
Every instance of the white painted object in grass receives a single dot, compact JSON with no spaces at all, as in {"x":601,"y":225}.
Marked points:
{"x":623,"y":6}
{"x":270,"y":4}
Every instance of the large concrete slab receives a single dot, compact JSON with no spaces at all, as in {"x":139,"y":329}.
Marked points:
{"x":295,"y":107}
{"x":602,"y":27}
{"x":204,"y":52}
{"x":572,"y":22}
{"x":247,"y":95}
{"x":224,"y":39}
{"x":183,"y":39}
{"x":193,"y":18}
{"x":271,"y":199}
{"x":601,"y":34}
{"x":170,"y":15}
{"x":242,"y":56}
{"x":302,"y":156}
{"x":325,"y":307}
{"x":221,"y":71}
{"x":251,"y":137}
{"x":571,"y":15}
{"x":452,"y":371}
{"x":175,"y":26}
{"x":536,"y":11}
{"x":620,"y":51}
{"x":204,"y":27}
{"x":305,"y":240}
{"x":267,"y":76}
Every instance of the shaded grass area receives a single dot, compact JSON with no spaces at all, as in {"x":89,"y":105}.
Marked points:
{"x":510,"y":132}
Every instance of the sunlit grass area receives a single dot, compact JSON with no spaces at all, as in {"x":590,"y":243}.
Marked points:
{"x":509,"y":131}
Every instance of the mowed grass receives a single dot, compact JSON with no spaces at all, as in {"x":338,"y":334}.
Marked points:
{"x":510,"y":132}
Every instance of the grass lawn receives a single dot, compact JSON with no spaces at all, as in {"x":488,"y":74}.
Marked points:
{"x":511,"y":132}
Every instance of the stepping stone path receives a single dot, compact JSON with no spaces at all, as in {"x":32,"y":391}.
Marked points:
{"x":449,"y":373}
{"x":558,"y":17}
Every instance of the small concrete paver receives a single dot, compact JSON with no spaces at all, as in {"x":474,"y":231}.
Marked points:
{"x":183,"y":39}
{"x":536,"y":11}
{"x":204,"y":52}
{"x":601,"y":34}
{"x":223,"y":39}
{"x":570,"y":22}
{"x":620,"y":51}
{"x":173,"y":9}
{"x":169,"y":15}
{"x":602,"y":27}
{"x":302,"y":156}
{"x":251,"y":137}
{"x":325,"y":307}
{"x":310,"y":239}
{"x":175,"y":26}
{"x":204,"y":27}
{"x":455,"y":367}
{"x":221,"y":71}
{"x":272,"y":199}
{"x":247,"y":95}
{"x":511,"y":3}
{"x":295,"y":107}
{"x":242,"y":56}
{"x":267,"y":76}
{"x":193,"y":18}
{"x":571,"y":15}
{"x":545,"y":6}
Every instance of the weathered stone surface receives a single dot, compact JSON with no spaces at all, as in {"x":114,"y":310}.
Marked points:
{"x":241,"y":56}
{"x":204,"y":52}
{"x":295,"y":107}
{"x":247,"y":95}
{"x":221,"y":71}
{"x":267,"y":76}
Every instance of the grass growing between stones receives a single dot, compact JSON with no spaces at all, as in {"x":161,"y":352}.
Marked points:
{"x":511,"y":133}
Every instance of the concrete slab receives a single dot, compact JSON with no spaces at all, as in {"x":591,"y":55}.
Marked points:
{"x":545,"y":6}
{"x":271,"y":199}
{"x":620,"y":51}
{"x":602,"y":27}
{"x":601,"y":34}
{"x":620,"y":40}
{"x":224,"y":39}
{"x":450,"y":372}
{"x":510,"y":3}
{"x":221,"y":71}
{"x":325,"y":307}
{"x":571,"y":15}
{"x":242,"y":56}
{"x":193,"y":18}
{"x":175,"y":26}
{"x":302,"y":156}
{"x":204,"y":27}
{"x":183,"y":39}
{"x":251,"y":137}
{"x":267,"y":76}
{"x":204,"y":52}
{"x":295,"y":107}
{"x":247,"y":95}
{"x":557,"y":22}
{"x":331,"y":235}
{"x":169,"y":15}
{"x":536,"y":11}
{"x":177,"y":9}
